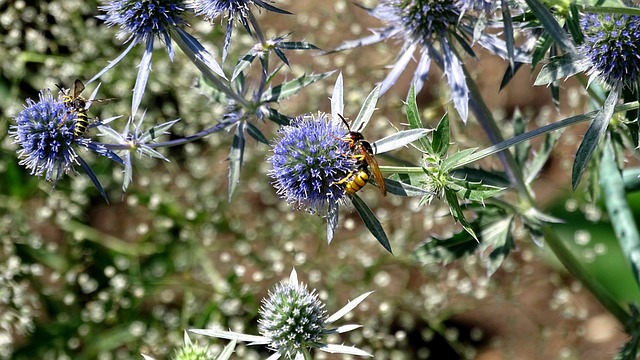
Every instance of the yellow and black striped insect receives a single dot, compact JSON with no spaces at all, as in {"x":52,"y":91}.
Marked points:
{"x":367,"y":165}
{"x":77,"y":104}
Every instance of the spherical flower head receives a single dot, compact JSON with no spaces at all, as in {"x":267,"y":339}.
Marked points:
{"x":612,"y":46}
{"x":309,"y":161}
{"x":423,"y":20}
{"x":210,"y":9}
{"x":139,"y":20}
{"x":292,"y":317}
{"x":44,"y":131}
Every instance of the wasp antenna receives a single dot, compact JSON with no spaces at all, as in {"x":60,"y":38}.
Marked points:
{"x":345,"y":122}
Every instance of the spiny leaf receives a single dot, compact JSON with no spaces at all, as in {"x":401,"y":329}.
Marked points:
{"x":285,"y":90}
{"x":441,"y":137}
{"x":371,"y":222}
{"x":592,"y":138}
{"x":235,"y":158}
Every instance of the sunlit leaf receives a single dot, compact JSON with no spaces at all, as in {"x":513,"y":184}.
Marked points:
{"x":285,"y":90}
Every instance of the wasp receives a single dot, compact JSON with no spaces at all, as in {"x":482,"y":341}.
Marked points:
{"x":362,"y":151}
{"x":75,"y":102}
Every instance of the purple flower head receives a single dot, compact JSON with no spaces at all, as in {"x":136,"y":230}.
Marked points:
{"x":44,"y":131}
{"x":309,"y":160}
{"x":139,"y":20}
{"x":612,"y":47}
{"x":422,"y":26}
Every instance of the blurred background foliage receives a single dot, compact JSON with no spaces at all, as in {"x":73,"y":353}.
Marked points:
{"x":82,"y":279}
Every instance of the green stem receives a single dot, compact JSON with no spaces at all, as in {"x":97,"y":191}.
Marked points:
{"x":574,"y":266}
{"x":537,"y":132}
{"x":615,"y":199}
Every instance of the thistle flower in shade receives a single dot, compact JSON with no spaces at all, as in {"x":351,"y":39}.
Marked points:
{"x":143,"y":22}
{"x":309,"y":160}
{"x":233,"y":10}
{"x":423,"y":25}
{"x":293,"y":320}
{"x":612,"y":47}
{"x":44,"y":130}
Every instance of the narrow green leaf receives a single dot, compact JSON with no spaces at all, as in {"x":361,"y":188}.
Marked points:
{"x":235,"y":158}
{"x":508,"y":33}
{"x":285,"y":90}
{"x":332,"y":221}
{"x":592,"y":138}
{"x":442,"y":137}
{"x":413,"y":117}
{"x":521,"y":149}
{"x":550,"y":24}
{"x":559,"y":68}
{"x":296,"y":45}
{"x":228,"y":350}
{"x":473,"y":191}
{"x":157,"y":130}
{"x":496,"y":237}
{"x":403,"y":189}
{"x":456,"y":159}
{"x":368,"y":107}
{"x":256,"y":133}
{"x":398,"y":140}
{"x":573,"y":23}
{"x":457,"y":213}
{"x":622,"y":218}
{"x":337,"y":99}
{"x":445,"y":251}
{"x":541,"y":156}
{"x":277,"y":117}
{"x":493,"y":178}
{"x":94,"y":178}
{"x":542,"y":47}
{"x":371,"y":222}
{"x":242,"y":64}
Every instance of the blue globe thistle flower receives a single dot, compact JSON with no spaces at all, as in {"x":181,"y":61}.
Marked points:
{"x":143,"y":21}
{"x":140,"y":20}
{"x":44,"y":131}
{"x":293,"y":321}
{"x":233,"y":10}
{"x":309,"y":160}
{"x":292,"y":317}
{"x":612,"y":47}
{"x":424,"y":25}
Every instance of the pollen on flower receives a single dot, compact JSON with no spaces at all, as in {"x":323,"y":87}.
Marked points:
{"x":612,"y":46}
{"x":310,"y":158}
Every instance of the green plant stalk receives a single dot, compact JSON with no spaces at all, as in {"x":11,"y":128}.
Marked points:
{"x":486,"y":120}
{"x":574,"y":266}
{"x":539,"y":131}
{"x":615,"y":199}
